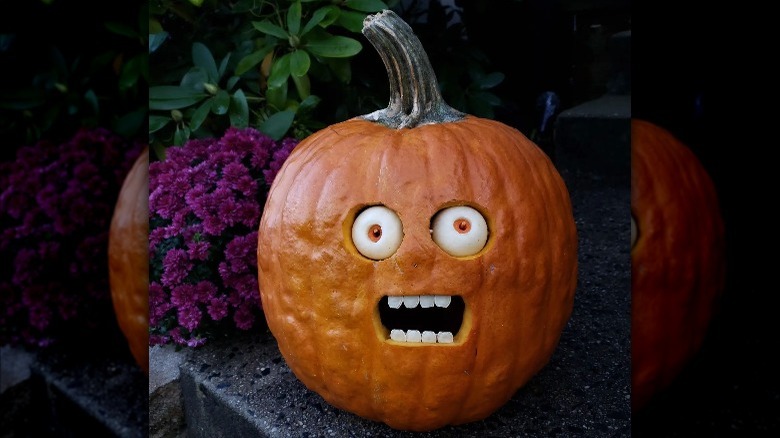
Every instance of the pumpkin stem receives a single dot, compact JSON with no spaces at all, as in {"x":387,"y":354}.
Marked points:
{"x":414,"y":92}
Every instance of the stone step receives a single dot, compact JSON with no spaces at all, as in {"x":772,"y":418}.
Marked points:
{"x":73,"y":392}
{"x":593,"y":140}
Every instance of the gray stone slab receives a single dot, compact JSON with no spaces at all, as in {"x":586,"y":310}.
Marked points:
{"x":166,"y":407}
{"x":593,"y":140}
{"x":91,"y":390}
{"x":14,"y":366}
{"x":241,"y":386}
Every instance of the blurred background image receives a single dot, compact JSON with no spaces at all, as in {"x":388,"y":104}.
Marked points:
{"x":73,"y":106}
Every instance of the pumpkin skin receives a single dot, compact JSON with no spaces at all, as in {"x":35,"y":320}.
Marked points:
{"x":321,"y":296}
{"x":128,"y":260}
{"x":677,"y":258}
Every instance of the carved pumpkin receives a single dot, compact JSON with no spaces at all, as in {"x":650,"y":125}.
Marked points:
{"x":416,"y":265}
{"x":677,"y":257}
{"x":128,"y":259}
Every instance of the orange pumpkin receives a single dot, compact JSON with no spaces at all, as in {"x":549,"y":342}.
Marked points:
{"x":416,"y":265}
{"x":677,"y":256}
{"x":128,"y":259}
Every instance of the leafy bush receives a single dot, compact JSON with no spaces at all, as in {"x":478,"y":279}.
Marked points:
{"x":289,"y":68}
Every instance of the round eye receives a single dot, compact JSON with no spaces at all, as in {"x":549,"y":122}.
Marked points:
{"x":460,"y":231}
{"x":634,"y":231}
{"x":377,"y":232}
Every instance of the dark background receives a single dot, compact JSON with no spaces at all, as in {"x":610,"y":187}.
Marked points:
{"x":699,"y":70}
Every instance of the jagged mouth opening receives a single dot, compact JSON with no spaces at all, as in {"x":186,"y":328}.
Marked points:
{"x":428,"y":319}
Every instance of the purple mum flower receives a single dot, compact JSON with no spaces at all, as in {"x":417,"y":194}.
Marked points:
{"x":56,"y":203}
{"x":205,"y":200}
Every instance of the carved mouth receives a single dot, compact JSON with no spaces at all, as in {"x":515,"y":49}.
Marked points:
{"x":427,"y":319}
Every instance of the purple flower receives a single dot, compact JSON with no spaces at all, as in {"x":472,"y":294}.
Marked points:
{"x":205,"y":200}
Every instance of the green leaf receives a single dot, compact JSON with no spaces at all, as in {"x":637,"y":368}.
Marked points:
{"x":249,"y":61}
{"x":490,"y":80}
{"x":220,"y":103}
{"x":334,"y":47}
{"x":299,"y":63}
{"x":156,"y":40}
{"x":239,"y":110}
{"x":320,"y":15}
{"x":276,"y":96}
{"x":366,"y":5}
{"x":278,"y":124}
{"x":352,"y":21}
{"x":302,"y":85}
{"x":21,"y":99}
{"x":129,"y":124}
{"x":202,"y":57}
{"x":280,"y":71}
{"x":232,"y":82}
{"x":309,"y":103}
{"x":181,"y":135}
{"x":121,"y":29}
{"x":168,"y":97}
{"x":269,"y":28}
{"x":342,"y":68}
{"x":223,"y":66}
{"x":487,"y":97}
{"x":157,"y":123}
{"x":294,"y":18}
{"x":92,"y":100}
{"x":131,"y":70}
{"x":194,"y":78}
{"x":159,"y":150}
{"x":200,"y":114}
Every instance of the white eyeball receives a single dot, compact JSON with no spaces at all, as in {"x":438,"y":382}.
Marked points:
{"x":460,"y":231}
{"x":377,"y":232}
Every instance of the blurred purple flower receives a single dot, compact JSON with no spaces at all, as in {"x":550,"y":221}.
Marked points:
{"x":56,"y":202}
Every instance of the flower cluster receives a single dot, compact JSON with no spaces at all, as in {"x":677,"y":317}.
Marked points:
{"x":205,"y":202}
{"x":56,"y":203}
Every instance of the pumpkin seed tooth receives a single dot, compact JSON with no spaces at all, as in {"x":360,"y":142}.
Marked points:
{"x":398,"y":335}
{"x":426,"y":301}
{"x":444,"y":337}
{"x":411,"y":301}
{"x":428,"y":337}
{"x":395,"y":302}
{"x":442,"y":300}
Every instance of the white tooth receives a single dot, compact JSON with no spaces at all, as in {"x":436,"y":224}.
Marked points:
{"x":395,"y":302}
{"x":444,"y":337}
{"x":428,"y":337}
{"x":413,"y":336}
{"x":398,"y":335}
{"x":411,"y":301}
{"x":442,"y":300}
{"x":426,"y":301}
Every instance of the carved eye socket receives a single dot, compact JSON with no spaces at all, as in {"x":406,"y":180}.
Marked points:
{"x":377,"y":232}
{"x":460,"y":231}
